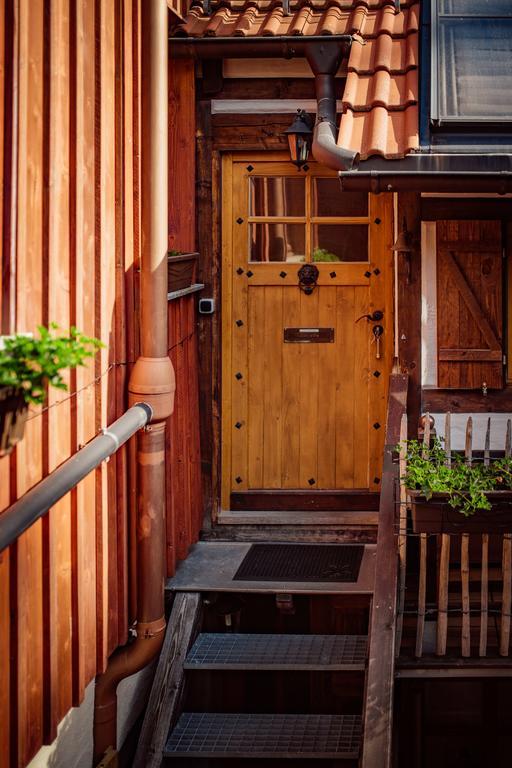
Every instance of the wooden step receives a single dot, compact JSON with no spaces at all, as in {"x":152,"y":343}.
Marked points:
{"x":274,"y":736}
{"x":278,"y":652}
{"x":212,"y":566}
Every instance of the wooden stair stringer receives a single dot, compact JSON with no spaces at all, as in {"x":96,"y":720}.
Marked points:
{"x":166,"y":693}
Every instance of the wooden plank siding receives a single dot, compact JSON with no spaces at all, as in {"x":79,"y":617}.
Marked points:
{"x":74,"y":132}
{"x":184,"y":491}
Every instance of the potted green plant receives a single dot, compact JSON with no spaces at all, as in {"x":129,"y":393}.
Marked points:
{"x":450,"y":495}
{"x":181,"y":270}
{"x":28,"y":365}
{"x":322,"y":254}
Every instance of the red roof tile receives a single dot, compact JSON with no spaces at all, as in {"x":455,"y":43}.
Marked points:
{"x":380,"y":113}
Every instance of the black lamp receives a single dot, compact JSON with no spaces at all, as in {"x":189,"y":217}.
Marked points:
{"x":300,"y":137}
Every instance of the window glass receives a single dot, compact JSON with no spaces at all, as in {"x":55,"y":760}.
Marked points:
{"x":329,"y":200}
{"x":277,"y":196}
{"x":475,"y":73}
{"x":339,"y":242}
{"x":277,"y":242}
{"x":476,"y":7}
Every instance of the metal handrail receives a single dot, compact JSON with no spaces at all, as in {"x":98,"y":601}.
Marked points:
{"x":39,"y":499}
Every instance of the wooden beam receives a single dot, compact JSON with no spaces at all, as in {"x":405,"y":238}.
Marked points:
{"x":408,"y":290}
{"x":466,"y":401}
{"x":166,"y":692}
{"x":378,"y":716}
{"x":470,"y":355}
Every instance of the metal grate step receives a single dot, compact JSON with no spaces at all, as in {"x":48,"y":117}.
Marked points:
{"x":274,"y":736}
{"x":293,"y":652}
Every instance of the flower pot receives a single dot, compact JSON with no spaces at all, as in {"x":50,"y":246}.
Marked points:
{"x":437,"y":516}
{"x":181,"y":271}
{"x":13,"y":415}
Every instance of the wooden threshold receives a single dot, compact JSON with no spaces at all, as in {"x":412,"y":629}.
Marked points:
{"x":305,"y":501}
{"x":291,"y":517}
{"x":305,"y":534}
{"x":453,"y":667}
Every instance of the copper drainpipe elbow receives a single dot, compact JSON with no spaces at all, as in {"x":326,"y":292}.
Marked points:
{"x":125,"y":662}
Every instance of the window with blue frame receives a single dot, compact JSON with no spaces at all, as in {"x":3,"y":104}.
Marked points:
{"x":471,"y":78}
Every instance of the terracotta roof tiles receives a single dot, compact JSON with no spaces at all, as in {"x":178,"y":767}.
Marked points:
{"x":380,"y":112}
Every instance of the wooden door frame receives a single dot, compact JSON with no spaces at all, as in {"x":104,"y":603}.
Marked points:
{"x":381,"y":228}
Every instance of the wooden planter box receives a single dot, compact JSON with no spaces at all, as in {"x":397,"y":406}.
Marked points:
{"x":436,"y":515}
{"x":13,"y":415}
{"x":181,"y":271}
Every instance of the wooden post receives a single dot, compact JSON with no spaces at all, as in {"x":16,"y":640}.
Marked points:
{"x":507,"y":594}
{"x":444,"y":564}
{"x":484,"y":587}
{"x":402,"y":534}
{"x":422,"y":587}
{"x":464,"y":572}
{"x":464,"y":565}
{"x":507,"y":569}
{"x":166,"y":692}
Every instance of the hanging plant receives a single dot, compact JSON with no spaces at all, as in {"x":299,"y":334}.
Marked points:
{"x":28,"y":366}
{"x":437,"y":481}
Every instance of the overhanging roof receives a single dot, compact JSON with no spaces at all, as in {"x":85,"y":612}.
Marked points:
{"x":380,"y":98}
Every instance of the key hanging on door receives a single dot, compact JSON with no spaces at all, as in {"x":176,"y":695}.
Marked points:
{"x":377,"y":331}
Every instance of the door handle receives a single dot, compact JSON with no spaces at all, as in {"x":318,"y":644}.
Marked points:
{"x":373,"y":318}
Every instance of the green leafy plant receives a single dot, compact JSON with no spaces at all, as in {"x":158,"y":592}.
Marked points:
{"x":322,"y":254}
{"x":29,"y":364}
{"x":466,"y":485}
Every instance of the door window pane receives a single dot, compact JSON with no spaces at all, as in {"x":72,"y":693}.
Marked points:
{"x":329,"y":200}
{"x":338,"y":242}
{"x":277,"y":196}
{"x":277,"y":242}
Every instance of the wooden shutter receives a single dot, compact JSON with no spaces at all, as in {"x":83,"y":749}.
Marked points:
{"x":469,"y":304}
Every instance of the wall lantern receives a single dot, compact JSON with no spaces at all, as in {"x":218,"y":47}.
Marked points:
{"x":404,"y":245}
{"x":300,"y":137}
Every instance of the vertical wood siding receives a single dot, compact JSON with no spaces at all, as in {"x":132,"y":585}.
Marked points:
{"x":70,"y":198}
{"x":184,"y":495}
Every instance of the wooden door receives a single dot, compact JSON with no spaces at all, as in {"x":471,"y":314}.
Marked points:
{"x":302,"y":416}
{"x":470,"y":304}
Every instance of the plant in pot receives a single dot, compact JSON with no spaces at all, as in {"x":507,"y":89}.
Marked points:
{"x":28,"y":365}
{"x":181,"y":270}
{"x":450,"y":495}
{"x":322,"y":254}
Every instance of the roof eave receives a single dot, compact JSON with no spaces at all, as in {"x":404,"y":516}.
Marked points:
{"x":434,"y":172}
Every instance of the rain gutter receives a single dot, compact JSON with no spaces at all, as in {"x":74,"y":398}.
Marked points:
{"x":324,"y":54}
{"x":433,"y":172}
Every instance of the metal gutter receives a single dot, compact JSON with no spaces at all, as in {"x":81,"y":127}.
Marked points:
{"x":436,"y":172}
{"x":285,"y":47}
{"x":39,"y":499}
{"x":324,"y":54}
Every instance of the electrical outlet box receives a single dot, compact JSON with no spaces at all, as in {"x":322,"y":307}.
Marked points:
{"x":206,"y":306}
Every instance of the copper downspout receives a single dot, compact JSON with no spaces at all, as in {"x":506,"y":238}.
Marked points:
{"x":152,"y":380}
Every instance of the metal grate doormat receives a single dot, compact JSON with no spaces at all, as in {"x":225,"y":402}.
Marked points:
{"x":301,"y":562}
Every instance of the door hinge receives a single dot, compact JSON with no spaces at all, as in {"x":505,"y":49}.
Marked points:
{"x":504,"y":359}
